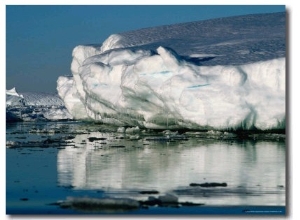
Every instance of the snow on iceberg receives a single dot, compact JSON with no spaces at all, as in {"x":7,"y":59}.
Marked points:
{"x":45,"y":99}
{"x":136,"y":79}
{"x":32,"y":98}
{"x":30,"y":106}
{"x":13,"y":98}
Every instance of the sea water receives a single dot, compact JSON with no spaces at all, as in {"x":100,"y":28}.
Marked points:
{"x":48,"y":162}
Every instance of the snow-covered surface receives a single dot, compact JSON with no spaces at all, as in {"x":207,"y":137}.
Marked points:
{"x":32,"y":98}
{"x":30,"y":106}
{"x":13,"y":92}
{"x":46,"y":99}
{"x":13,"y":98}
{"x":226,"y":73}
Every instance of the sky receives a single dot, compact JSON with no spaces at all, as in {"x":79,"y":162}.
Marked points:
{"x":40,"y":38}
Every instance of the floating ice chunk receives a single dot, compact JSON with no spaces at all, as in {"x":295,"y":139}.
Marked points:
{"x":134,"y":137}
{"x":168,"y":198}
{"x":133,"y":130}
{"x":57,"y":114}
{"x":121,"y":130}
{"x":168,"y":132}
{"x":11,"y":143}
{"x":87,"y":203}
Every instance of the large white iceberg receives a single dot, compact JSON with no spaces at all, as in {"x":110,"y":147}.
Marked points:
{"x":226,"y":73}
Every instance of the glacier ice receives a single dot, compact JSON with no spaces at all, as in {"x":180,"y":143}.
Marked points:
{"x":232,"y":81}
{"x":30,"y":106}
{"x":13,"y":98}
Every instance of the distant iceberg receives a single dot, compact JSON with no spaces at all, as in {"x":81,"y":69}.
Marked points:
{"x":222,"y":74}
{"x":30,"y":106}
{"x":13,"y":98}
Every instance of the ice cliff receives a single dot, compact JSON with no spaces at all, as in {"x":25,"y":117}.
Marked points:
{"x":226,"y":73}
{"x":30,"y":106}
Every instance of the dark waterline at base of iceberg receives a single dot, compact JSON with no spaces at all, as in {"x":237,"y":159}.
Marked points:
{"x":86,"y":168}
{"x":186,"y":211}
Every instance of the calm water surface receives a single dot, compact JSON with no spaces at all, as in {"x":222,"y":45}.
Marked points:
{"x":48,"y":162}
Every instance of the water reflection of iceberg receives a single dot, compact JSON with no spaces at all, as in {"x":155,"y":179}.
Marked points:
{"x":167,"y":166}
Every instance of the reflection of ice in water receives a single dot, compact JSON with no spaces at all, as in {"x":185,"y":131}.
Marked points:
{"x":166,"y":166}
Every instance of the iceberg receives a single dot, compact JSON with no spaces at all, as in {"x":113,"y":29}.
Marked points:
{"x":219,"y":74}
{"x":31,"y":106}
{"x":13,"y":98}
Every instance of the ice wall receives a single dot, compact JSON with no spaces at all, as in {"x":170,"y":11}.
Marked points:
{"x":126,"y":85}
{"x":138,"y":88}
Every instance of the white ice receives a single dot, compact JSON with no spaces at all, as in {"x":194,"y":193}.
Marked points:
{"x":31,"y":106}
{"x":136,"y":79}
{"x":13,"y":98}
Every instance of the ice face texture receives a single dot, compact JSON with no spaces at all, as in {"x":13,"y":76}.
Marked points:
{"x":31,"y":106}
{"x":221,"y":74}
{"x":13,"y":98}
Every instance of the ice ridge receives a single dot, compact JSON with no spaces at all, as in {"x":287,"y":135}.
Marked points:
{"x":32,"y":106}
